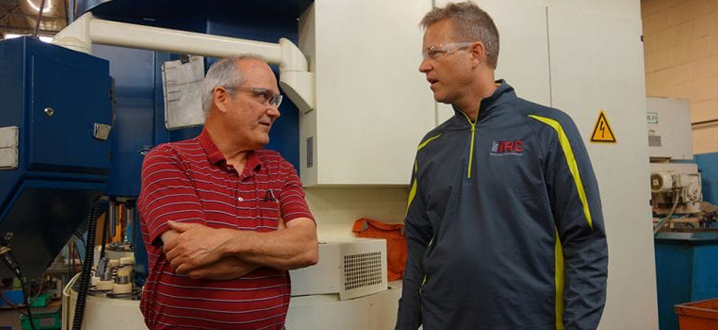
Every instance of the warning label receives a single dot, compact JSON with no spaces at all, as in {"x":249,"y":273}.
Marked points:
{"x":602,"y":132}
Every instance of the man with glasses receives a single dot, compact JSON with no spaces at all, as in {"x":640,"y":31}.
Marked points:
{"x":222,"y":219}
{"x":504,"y":222}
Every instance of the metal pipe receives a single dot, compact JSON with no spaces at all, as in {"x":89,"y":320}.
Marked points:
{"x":710,"y":121}
{"x":112,"y":218}
{"x":39,"y":17}
{"x":128,"y":223}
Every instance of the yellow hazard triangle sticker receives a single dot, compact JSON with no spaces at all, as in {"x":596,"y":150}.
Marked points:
{"x":602,"y":132}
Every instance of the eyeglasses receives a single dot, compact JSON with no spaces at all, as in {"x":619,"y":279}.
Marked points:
{"x":434,"y":52}
{"x":265,"y":95}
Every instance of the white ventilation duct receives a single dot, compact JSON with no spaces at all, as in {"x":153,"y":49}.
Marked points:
{"x":294,"y":76}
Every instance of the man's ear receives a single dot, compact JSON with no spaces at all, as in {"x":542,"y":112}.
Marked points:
{"x":221,"y":98}
{"x":478,"y":52}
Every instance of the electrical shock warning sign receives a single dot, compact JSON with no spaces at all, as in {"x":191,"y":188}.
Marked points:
{"x":602,"y":132}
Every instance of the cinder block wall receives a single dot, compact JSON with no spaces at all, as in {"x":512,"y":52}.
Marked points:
{"x":680,"y":41}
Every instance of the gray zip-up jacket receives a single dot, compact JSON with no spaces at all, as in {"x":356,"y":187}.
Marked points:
{"x":504,"y":224}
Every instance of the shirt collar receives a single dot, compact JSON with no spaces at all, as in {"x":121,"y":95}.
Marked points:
{"x":215,"y":156}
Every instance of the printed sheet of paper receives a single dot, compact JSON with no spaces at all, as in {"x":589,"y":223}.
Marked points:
{"x":183,"y":85}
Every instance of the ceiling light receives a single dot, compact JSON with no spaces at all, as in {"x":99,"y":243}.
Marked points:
{"x":15,"y":35}
{"x":47,"y":8}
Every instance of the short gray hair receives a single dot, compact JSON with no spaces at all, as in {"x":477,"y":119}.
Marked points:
{"x":471,"y":23}
{"x":224,"y":73}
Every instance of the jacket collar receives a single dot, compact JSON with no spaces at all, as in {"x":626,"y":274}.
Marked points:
{"x":503,"y":94}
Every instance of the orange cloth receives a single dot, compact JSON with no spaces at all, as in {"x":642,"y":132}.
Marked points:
{"x":395,"y":243}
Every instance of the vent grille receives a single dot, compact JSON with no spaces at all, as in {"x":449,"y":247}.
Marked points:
{"x":362,"y":270}
{"x":654,"y":141}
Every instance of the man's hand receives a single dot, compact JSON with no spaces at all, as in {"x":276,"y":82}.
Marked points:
{"x":227,"y":268}
{"x":196,"y":246}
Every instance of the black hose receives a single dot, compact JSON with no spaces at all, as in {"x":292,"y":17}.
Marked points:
{"x":25,"y":293}
{"x":86,"y":266}
{"x":11,"y":263}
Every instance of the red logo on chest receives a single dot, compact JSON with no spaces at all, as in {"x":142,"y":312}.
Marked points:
{"x":504,"y":147}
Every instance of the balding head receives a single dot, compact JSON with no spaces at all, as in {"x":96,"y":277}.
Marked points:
{"x":227,"y":73}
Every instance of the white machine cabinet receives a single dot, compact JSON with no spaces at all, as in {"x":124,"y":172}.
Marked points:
{"x":597,"y":64}
{"x":669,"y":128}
{"x":373,"y":105}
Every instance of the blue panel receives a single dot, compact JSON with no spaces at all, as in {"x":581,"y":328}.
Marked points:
{"x":43,"y":204}
{"x":708,"y":166}
{"x":161,"y":133}
{"x":133,"y":72}
{"x":80,"y":97}
{"x":673,"y":275}
{"x":705,"y":272}
{"x":686,"y":270}
{"x":12,"y":80}
{"x":12,"y":94}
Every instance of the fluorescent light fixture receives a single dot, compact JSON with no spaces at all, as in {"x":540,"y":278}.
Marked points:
{"x":48,"y":6}
{"x":15,"y":35}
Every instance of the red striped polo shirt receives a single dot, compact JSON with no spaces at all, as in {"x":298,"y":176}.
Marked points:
{"x":190,"y":181}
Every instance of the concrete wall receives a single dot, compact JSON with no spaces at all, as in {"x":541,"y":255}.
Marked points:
{"x":680,"y":40}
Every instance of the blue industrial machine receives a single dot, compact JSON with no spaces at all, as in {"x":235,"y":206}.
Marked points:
{"x":56,"y":106}
{"x":686,"y":270}
{"x":74,"y":128}
{"x":708,"y":165}
{"x":63,"y":102}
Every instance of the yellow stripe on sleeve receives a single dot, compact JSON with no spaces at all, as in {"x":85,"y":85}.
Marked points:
{"x":558,"y":280}
{"x":571,"y":162}
{"x":412,"y":192}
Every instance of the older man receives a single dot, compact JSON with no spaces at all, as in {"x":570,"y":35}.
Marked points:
{"x":222,"y":219}
{"x":504,"y":224}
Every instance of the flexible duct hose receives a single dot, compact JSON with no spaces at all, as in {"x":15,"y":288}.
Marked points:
{"x":87,"y":265}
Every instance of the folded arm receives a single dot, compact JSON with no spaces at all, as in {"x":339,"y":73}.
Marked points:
{"x":226,"y":268}
{"x":196,"y":246}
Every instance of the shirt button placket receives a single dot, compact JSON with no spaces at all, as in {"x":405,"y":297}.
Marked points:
{"x":241,"y":179}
